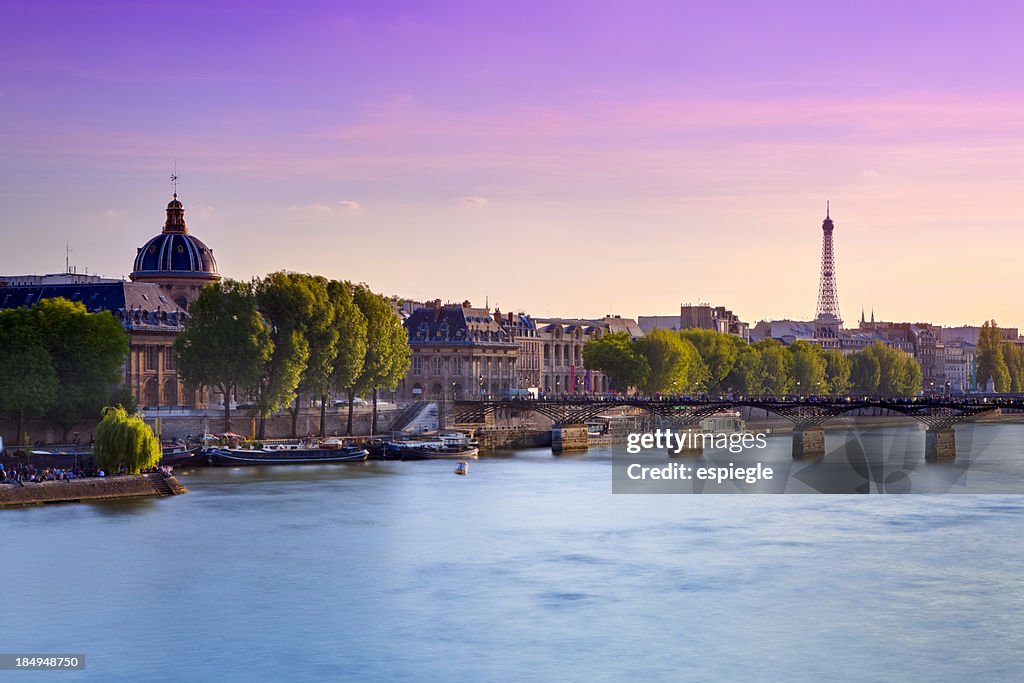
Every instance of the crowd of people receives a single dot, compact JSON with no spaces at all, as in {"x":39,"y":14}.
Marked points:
{"x":21,"y":474}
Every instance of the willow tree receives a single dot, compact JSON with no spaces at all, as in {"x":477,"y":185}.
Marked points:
{"x":123,"y":439}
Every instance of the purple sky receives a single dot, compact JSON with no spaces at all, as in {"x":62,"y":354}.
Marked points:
{"x":566,"y":158}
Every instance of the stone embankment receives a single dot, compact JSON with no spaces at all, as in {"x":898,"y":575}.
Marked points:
{"x":93,"y":488}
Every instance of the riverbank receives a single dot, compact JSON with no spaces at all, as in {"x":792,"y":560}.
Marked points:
{"x":93,"y":488}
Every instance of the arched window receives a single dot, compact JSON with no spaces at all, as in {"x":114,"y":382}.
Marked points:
{"x":151,"y":393}
{"x":171,"y":392}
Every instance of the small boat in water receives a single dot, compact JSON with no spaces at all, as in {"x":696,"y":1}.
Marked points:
{"x":446,"y":446}
{"x":281,"y":455}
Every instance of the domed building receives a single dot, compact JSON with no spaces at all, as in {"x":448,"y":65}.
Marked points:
{"x":176,"y":260}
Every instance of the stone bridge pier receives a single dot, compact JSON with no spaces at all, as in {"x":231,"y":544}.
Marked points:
{"x":939,"y":443}
{"x":808,"y":442}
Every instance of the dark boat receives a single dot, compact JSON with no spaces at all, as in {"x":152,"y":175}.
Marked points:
{"x":179,"y":456}
{"x":279,"y":455}
{"x":455,"y":446}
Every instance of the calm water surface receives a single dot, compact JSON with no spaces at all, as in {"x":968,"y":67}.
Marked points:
{"x":528,"y":569}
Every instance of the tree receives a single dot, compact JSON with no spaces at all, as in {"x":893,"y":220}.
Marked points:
{"x":1013,"y":356}
{"x":350,"y":324}
{"x":989,"y":359}
{"x":123,"y":439}
{"x":718,"y":351}
{"x":387,"y":349}
{"x":28,"y":380}
{"x":776,"y":367}
{"x":285,"y":301}
{"x":837,"y":373}
{"x":747,"y":375}
{"x":614,"y":355}
{"x":674,"y":362}
{"x":88,"y":352}
{"x":898,"y":373}
{"x":865,"y":373}
{"x":225,"y":343}
{"x":315,"y":323}
{"x":808,"y":368}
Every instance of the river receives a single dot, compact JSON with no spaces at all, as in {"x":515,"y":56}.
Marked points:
{"x":527,"y":569}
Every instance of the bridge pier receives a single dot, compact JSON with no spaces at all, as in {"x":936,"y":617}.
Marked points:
{"x":566,"y":438}
{"x":939,"y":444}
{"x":808,"y":443}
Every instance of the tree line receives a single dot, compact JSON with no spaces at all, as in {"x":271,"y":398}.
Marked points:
{"x":707,"y":361}
{"x":999,"y":360}
{"x":59,"y":361}
{"x":287,"y":336}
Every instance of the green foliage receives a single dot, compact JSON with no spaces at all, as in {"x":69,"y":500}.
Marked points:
{"x":898,"y":373}
{"x":388,"y":354}
{"x":225,"y":342}
{"x":1013,"y":356}
{"x":88,"y":352}
{"x":837,"y":373}
{"x":350,"y":324}
{"x":989,"y":359}
{"x":865,"y":373}
{"x":675,"y":366}
{"x":718,"y":352}
{"x":615,"y":356}
{"x":776,"y":367}
{"x":747,"y":375}
{"x":807,"y":368}
{"x":28,"y":380}
{"x":123,"y":439}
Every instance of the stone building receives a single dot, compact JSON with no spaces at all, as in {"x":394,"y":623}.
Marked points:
{"x":458,"y":352}
{"x":562,"y":352}
{"x":169,"y":271}
{"x":523,"y":331}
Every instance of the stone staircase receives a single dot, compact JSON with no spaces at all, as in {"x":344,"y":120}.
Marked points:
{"x":160,"y":484}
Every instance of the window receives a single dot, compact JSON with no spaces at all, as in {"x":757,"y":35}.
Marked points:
{"x":457,"y":365}
{"x":152,"y":357}
{"x":417,"y":365}
{"x":168,"y":361}
{"x":435,"y":365}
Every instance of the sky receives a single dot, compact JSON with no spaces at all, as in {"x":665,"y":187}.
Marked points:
{"x":567,"y":158}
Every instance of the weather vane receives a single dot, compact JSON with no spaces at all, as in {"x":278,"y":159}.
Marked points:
{"x":174,"y":178}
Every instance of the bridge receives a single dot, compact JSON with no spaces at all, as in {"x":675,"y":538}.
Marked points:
{"x":808,"y":414}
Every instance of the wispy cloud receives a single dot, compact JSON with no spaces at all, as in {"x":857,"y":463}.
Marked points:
{"x":474,"y":201}
{"x":315,"y":209}
{"x":349,"y":205}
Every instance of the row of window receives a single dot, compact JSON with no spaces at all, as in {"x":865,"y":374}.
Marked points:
{"x":152,"y":355}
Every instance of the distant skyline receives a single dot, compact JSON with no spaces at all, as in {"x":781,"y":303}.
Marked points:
{"x":564,"y":158}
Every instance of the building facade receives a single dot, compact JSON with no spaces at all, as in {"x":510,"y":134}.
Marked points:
{"x":168,"y":273}
{"x":458,"y":352}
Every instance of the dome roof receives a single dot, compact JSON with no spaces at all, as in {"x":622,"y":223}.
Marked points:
{"x":174,"y":251}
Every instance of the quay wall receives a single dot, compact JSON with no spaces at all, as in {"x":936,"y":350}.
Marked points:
{"x":173,"y":426}
{"x":95,"y":488}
